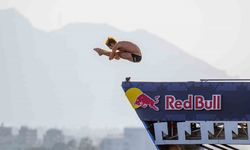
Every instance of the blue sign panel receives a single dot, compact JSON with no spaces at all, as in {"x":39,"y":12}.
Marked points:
{"x":189,"y":101}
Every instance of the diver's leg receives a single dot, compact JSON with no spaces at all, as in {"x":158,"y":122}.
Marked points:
{"x":132,"y":51}
{"x":125,"y":55}
{"x":106,"y":53}
{"x":102,"y":52}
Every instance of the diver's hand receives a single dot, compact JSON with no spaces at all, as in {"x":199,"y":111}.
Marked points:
{"x":111,"y":56}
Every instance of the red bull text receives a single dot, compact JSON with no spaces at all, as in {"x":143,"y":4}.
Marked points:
{"x":196,"y":102}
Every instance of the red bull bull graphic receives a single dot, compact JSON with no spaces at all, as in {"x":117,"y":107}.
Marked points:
{"x":144,"y":100}
{"x":139,"y":99}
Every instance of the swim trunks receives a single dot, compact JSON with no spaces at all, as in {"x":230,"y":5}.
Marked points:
{"x":136,"y":58}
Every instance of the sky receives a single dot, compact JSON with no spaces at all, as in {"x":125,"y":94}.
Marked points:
{"x":212,"y":30}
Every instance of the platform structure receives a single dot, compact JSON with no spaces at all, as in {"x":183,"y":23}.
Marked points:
{"x":195,"y":113}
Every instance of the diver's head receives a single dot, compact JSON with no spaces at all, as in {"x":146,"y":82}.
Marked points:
{"x":110,"y":42}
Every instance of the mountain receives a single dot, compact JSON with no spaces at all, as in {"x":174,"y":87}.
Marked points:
{"x":56,"y":79}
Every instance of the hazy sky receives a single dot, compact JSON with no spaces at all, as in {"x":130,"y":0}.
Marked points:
{"x":213,"y":30}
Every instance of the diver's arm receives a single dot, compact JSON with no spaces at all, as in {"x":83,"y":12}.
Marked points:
{"x":114,"y":49}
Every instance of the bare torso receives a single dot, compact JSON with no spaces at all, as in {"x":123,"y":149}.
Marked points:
{"x":129,"y":47}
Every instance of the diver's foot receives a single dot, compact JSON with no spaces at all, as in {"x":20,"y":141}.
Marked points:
{"x":99,"y":51}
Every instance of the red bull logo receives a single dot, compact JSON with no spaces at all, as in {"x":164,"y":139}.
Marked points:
{"x":139,"y":99}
